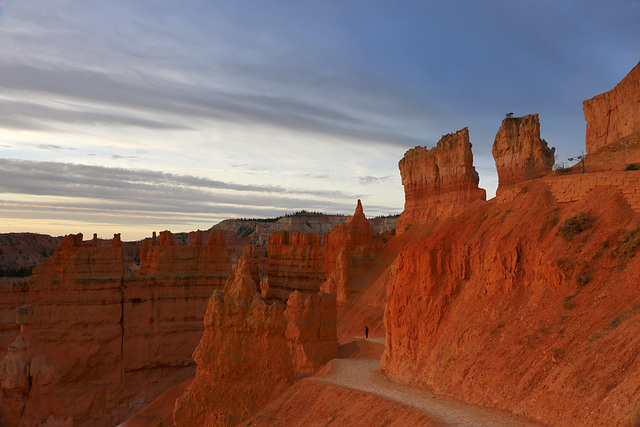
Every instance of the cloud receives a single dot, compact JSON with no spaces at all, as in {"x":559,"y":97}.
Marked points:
{"x":151,"y":190}
{"x":182,"y":105}
{"x":373,"y":179}
{"x":51,"y":147}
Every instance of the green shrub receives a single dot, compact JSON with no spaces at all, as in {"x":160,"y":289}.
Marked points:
{"x":574,"y":225}
{"x":632,"y":167}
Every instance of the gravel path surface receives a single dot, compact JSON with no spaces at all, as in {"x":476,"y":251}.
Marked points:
{"x":365,"y":375}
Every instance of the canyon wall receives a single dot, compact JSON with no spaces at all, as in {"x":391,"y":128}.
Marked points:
{"x":252,"y":349}
{"x":519,"y":152}
{"x":439,"y":182}
{"x":295,"y":262}
{"x":530,"y":306}
{"x":116,"y":339}
{"x":613,"y":117}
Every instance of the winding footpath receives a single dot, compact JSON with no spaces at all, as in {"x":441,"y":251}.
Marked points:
{"x":365,"y":375}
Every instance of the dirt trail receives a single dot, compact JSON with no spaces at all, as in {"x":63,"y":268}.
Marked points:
{"x":365,"y":375}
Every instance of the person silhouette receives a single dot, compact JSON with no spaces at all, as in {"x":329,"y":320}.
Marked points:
{"x":366,"y":332}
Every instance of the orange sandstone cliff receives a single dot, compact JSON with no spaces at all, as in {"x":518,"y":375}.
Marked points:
{"x":519,"y":153}
{"x":613,"y":125}
{"x":114,"y":339}
{"x":614,"y":115}
{"x":438,"y":182}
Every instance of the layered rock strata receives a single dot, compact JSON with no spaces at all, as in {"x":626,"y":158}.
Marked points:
{"x":115,"y":339}
{"x":251,"y":350}
{"x":295,"y":262}
{"x":439,"y":182}
{"x":519,"y":152}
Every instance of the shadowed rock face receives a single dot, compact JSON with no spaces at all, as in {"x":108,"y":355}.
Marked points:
{"x":519,"y":152}
{"x":350,"y":250}
{"x":26,"y":383}
{"x":614,"y":116}
{"x":295,"y":262}
{"x":116,"y":339}
{"x":439,"y":182}
{"x":251,"y":349}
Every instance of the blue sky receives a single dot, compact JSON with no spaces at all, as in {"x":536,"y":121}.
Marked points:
{"x":134,"y":116}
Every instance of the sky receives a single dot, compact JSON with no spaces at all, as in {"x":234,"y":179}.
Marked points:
{"x":127,"y":116}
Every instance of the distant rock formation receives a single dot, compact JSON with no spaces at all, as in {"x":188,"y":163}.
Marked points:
{"x":519,"y":153}
{"x":350,"y":250}
{"x":251,"y":350}
{"x":439,"y":182}
{"x":20,"y":252}
{"x":241,"y":232}
{"x":295,"y":262}
{"x":614,"y":115}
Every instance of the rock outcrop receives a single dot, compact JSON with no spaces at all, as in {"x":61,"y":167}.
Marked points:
{"x":311,"y":330}
{"x":295,"y":262}
{"x":115,"y":339}
{"x":519,"y":152}
{"x":251,"y":349}
{"x":26,"y":383}
{"x":542,"y":322}
{"x":350,"y":250}
{"x":439,"y":182}
{"x":614,"y":116}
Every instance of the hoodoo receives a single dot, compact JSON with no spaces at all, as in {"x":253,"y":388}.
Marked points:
{"x":350,"y":251}
{"x":519,"y":152}
{"x":439,"y":182}
{"x":251,"y":349}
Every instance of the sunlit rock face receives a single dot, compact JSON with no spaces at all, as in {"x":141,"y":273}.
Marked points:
{"x":519,"y":152}
{"x":496,"y":307}
{"x":614,"y":116}
{"x":439,"y":182}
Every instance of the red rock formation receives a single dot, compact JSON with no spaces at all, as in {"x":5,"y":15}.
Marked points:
{"x":350,"y":250}
{"x":14,"y":292}
{"x":251,"y":350}
{"x":614,"y":116}
{"x":26,"y":383}
{"x":519,"y":152}
{"x":242,"y":358}
{"x":496,"y":308}
{"x":118,"y":340}
{"x":311,"y":330}
{"x":295,"y":262}
{"x":439,"y":182}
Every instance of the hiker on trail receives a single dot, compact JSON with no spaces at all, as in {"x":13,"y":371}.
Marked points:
{"x":366,"y":332}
